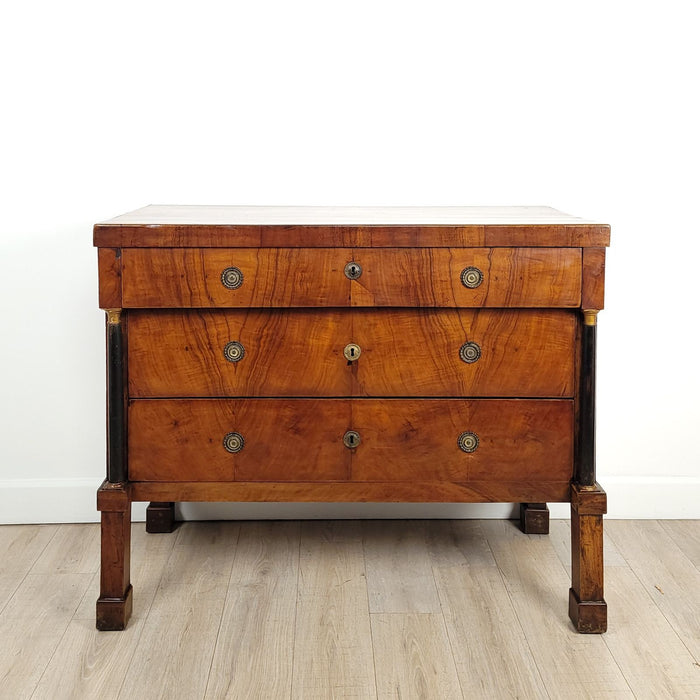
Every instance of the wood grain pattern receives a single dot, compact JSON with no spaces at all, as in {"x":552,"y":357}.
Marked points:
{"x":33,"y":624}
{"x":363,"y":492}
{"x":668,"y":576}
{"x":253,"y":656}
{"x":650,"y":654}
{"x":162,"y":226}
{"x":333,"y":640}
{"x":512,"y":277}
{"x":495,"y":655}
{"x":292,"y":353}
{"x":308,"y":277}
{"x":301,"y":439}
{"x":285,"y":440}
{"x":536,"y":582}
{"x":587,"y":608}
{"x":191,"y":277}
{"x":416,"y":352}
{"x":110,"y":278}
{"x":488,"y":644}
{"x":412,"y":657}
{"x":407,"y":440}
{"x":403,"y":353}
{"x":399,"y":568}
{"x":593,"y":281}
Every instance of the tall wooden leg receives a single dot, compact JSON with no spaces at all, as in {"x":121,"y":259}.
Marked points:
{"x":534,"y":518}
{"x":160,"y":517}
{"x":115,"y":602}
{"x":587,"y":608}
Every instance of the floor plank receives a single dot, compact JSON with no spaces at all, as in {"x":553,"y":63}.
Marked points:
{"x":491,"y":652}
{"x":686,"y":535}
{"x":75,"y":549}
{"x":668,"y":575}
{"x":399,"y":567}
{"x":254,"y":651}
{"x":577,"y":665}
{"x":21,"y":546}
{"x":412,"y":657}
{"x":32,"y":624}
{"x":176,"y":646}
{"x":281,"y":610}
{"x":458,"y":542}
{"x":650,"y":654}
{"x":89,"y":664}
{"x":333,"y":639}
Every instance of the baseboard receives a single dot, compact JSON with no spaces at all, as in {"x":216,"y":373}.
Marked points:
{"x":73,"y":501}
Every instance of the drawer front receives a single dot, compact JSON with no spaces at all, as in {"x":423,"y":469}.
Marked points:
{"x":405,"y":440}
{"x":515,"y":440}
{"x":313,"y":277}
{"x":403,"y":352}
{"x":468,"y":277}
{"x":282,"y":440}
{"x":198,"y":277}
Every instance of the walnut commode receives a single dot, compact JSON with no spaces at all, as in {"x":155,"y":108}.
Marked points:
{"x":407,"y":354}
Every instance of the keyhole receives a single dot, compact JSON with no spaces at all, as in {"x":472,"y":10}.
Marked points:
{"x":351,"y":439}
{"x":353,"y":270}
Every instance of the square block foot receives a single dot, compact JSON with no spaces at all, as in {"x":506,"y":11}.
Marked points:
{"x":114,"y":613}
{"x":589,"y":616}
{"x":534,"y":518}
{"x":160,"y":517}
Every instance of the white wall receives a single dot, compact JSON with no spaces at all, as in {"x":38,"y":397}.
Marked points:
{"x":589,"y":107}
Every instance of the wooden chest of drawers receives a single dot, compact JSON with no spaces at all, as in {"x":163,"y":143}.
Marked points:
{"x":341,"y":354}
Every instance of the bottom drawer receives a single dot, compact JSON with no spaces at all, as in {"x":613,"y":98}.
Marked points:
{"x":456,"y":440}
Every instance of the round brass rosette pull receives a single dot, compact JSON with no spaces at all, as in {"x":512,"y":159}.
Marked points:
{"x":470,"y":352}
{"x":233,"y":442}
{"x":232,"y":278}
{"x":472,"y":277}
{"x":234,"y":351}
{"x":468,"y":442}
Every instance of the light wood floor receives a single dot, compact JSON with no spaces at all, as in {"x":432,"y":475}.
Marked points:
{"x":350,"y":609}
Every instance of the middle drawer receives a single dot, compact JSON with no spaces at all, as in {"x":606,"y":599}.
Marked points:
{"x":398,"y":352}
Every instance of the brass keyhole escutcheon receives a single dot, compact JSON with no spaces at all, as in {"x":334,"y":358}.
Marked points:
{"x":351,"y":439}
{"x":468,"y":442}
{"x":353,"y":270}
{"x":352,"y":352}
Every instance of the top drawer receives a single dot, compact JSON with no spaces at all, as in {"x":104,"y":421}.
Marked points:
{"x":313,"y":277}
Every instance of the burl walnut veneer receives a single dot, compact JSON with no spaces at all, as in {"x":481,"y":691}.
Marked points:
{"x":410,"y":354}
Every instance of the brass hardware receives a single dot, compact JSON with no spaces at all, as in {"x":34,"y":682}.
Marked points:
{"x":234,"y":351}
{"x":351,"y":439}
{"x":470,"y":352}
{"x":352,"y":352}
{"x":590,"y":317}
{"x":472,"y":277}
{"x":113,"y":316}
{"x":233,"y":442}
{"x":232,"y":278}
{"x":468,"y":442}
{"x":353,"y":270}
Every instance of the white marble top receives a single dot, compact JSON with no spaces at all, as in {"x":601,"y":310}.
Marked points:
{"x":156,"y":214}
